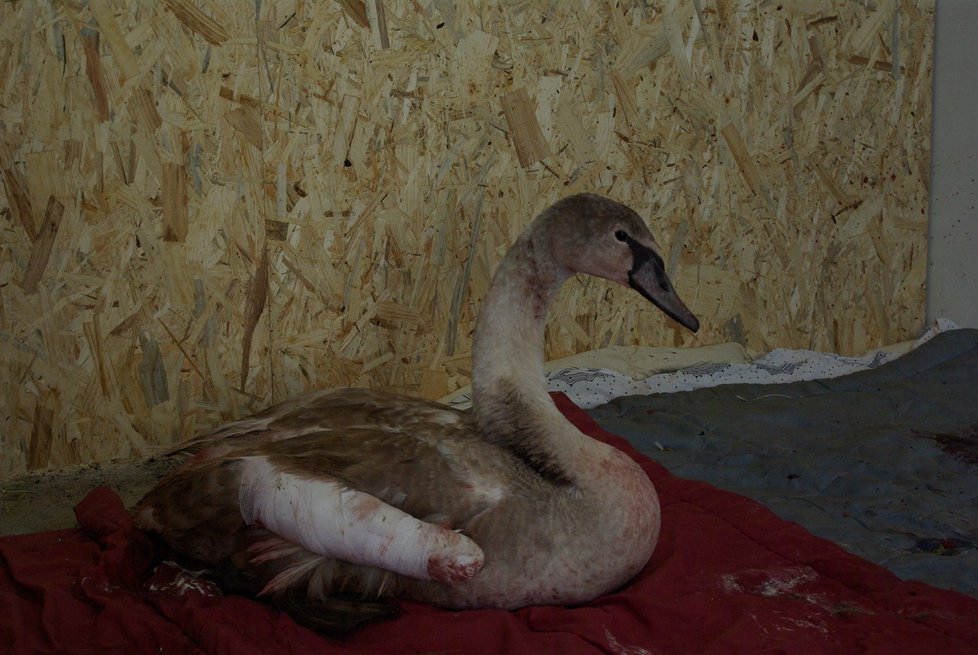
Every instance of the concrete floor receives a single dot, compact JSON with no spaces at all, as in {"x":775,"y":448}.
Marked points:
{"x":45,"y":501}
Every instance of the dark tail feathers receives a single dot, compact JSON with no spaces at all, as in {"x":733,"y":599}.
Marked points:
{"x":336,"y":616}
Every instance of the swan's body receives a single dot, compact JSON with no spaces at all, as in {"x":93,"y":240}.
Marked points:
{"x":503,"y":506}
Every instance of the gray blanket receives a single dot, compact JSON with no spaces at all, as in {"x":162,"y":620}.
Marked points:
{"x":883,"y":462}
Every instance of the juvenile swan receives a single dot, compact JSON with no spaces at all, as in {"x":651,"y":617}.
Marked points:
{"x":329,"y":503}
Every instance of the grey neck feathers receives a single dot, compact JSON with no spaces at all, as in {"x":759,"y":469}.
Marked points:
{"x":510,"y":400}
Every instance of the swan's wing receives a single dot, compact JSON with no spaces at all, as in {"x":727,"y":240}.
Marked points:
{"x":328,"y":518}
{"x":398,"y":470}
{"x":335,"y":409}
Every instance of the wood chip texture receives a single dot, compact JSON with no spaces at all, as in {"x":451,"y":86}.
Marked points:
{"x":205,"y":209}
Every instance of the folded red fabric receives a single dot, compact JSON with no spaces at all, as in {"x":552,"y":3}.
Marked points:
{"x":728,"y":576}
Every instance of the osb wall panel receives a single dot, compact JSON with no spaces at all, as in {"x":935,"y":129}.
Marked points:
{"x":212,"y":205}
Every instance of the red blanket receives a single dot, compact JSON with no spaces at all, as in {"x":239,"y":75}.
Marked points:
{"x":728,"y":576}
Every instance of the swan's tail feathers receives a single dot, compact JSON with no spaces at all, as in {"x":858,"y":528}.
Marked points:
{"x":316,"y":591}
{"x":334,"y":615}
{"x":271,"y":567}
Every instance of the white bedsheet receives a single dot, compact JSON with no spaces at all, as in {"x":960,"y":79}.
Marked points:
{"x":598,"y":376}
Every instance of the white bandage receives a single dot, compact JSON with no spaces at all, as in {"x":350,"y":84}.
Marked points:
{"x":330,"y":519}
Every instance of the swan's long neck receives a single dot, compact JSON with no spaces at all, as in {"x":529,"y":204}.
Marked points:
{"x":510,"y":398}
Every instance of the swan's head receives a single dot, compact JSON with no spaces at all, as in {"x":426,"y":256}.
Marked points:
{"x":592,"y":234}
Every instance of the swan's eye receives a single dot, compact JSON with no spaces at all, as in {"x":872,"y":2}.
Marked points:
{"x":621,"y":235}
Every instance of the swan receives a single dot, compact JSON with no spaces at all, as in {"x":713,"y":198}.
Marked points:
{"x":332,"y":502}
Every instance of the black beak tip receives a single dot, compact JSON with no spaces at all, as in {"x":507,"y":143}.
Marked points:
{"x":690,"y":322}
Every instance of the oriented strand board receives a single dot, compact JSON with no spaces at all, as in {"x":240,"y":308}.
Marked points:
{"x":205,"y":210}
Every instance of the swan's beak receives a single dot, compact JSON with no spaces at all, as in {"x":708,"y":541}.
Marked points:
{"x":648,"y":277}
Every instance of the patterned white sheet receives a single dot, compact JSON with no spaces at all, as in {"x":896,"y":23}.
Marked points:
{"x":589,"y":386}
